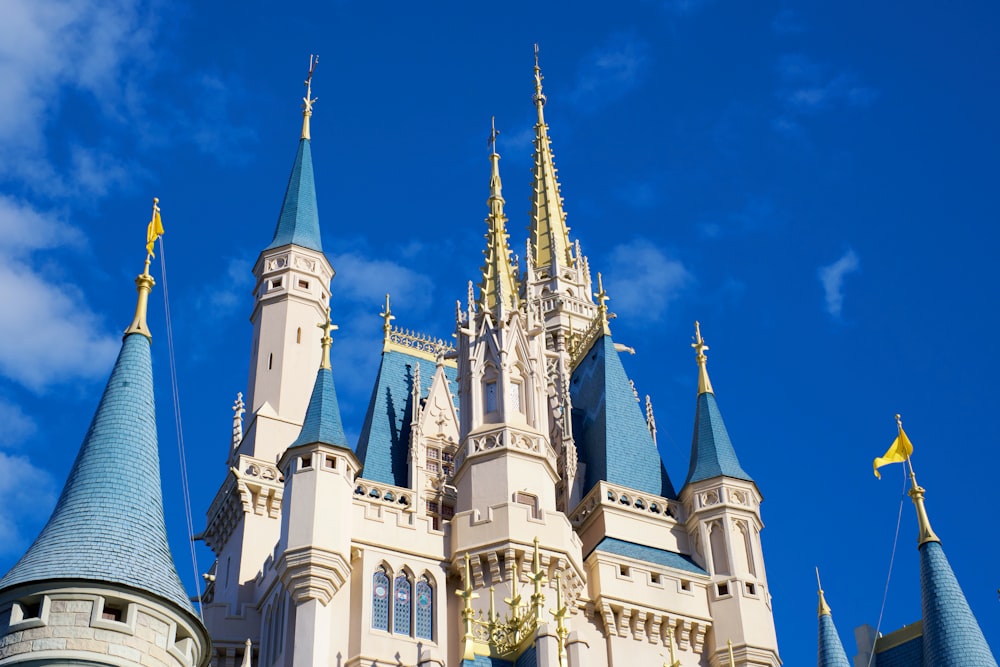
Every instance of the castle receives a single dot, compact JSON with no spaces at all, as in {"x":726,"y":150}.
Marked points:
{"x":505,"y":504}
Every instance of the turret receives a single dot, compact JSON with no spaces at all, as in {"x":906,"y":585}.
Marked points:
{"x":722,"y":503}
{"x":831,"y":650}
{"x":101,"y":568}
{"x":314,"y":553}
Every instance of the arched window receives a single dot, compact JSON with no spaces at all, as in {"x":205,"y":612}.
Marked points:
{"x":720,"y":559}
{"x":425,"y":609}
{"x":402,"y":605}
{"x":380,"y":600}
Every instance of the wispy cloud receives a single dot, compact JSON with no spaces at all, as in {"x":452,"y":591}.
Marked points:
{"x":363,"y":279}
{"x":832,"y":278}
{"x":610,"y":71}
{"x":17,"y":426}
{"x":41,"y":315}
{"x":757,"y":214}
{"x":787,"y":22}
{"x":29,"y":489}
{"x":807,"y":88}
{"x":644,"y":280}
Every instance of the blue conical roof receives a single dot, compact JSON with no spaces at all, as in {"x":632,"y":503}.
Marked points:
{"x":323,"y":422}
{"x":108,"y":524}
{"x":831,"y":651}
{"x":952,"y":636}
{"x":298,"y":223}
{"x":610,"y":427}
{"x":712,"y":453}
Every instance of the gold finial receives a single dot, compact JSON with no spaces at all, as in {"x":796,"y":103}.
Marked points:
{"x":602,"y":303}
{"x":247,"y":653}
{"x":916,"y":492}
{"x":144,"y":282}
{"x":539,"y":95}
{"x":699,"y":345}
{"x":732,"y":663}
{"x":494,"y":133}
{"x":308,"y":100}
{"x":560,"y":615}
{"x":674,"y":662}
{"x":824,"y":608}
{"x":498,"y":289}
{"x":327,"y":340}
{"x":537,"y":579}
{"x":387,"y":318}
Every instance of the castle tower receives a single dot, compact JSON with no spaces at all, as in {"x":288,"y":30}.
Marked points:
{"x":556,"y":286}
{"x":831,"y":650}
{"x":291,"y":294}
{"x":98,"y":586}
{"x":506,"y":519}
{"x":314,"y":554}
{"x":722,"y":503}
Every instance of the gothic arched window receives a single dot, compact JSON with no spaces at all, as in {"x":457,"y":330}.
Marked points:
{"x":402,"y":605}
{"x":380,"y":600}
{"x":425,"y":609}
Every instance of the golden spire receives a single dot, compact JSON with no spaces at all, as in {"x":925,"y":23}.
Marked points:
{"x":327,"y":340}
{"x":732,"y":663}
{"x":308,"y":100}
{"x":498,"y":288}
{"x":824,"y":608}
{"x":537,"y":579}
{"x":549,"y":233}
{"x":144,"y":284}
{"x":468,"y":613}
{"x":387,"y":318}
{"x":704,"y":384}
{"x":927,"y":533}
{"x":560,"y":613}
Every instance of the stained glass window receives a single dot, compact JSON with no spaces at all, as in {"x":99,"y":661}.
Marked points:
{"x":425,"y":609}
{"x":401,"y":608}
{"x":380,"y":600}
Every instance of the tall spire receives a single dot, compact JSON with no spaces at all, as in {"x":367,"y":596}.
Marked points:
{"x":712,"y":453}
{"x":323,"y":422}
{"x":831,"y":650}
{"x":549,"y":233}
{"x":498,"y":287}
{"x":298,"y":222}
{"x":108,"y":525}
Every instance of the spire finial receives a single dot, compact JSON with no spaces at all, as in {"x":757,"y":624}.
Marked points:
{"x":387,"y":318}
{"x":327,"y":340}
{"x":699,"y":345}
{"x":916,"y":492}
{"x":144,"y":282}
{"x":308,"y":100}
{"x":498,"y":289}
{"x":539,"y":96}
{"x":247,"y":653}
{"x":602,"y":304}
{"x":732,"y":662}
{"x":494,"y":133}
{"x":824,"y":608}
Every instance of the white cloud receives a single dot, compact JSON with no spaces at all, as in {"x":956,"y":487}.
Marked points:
{"x":643,"y":280}
{"x":364,"y":280}
{"x":610,"y":71}
{"x":17,"y":426}
{"x":32,"y":492}
{"x":807,"y":88}
{"x":832,"y":278}
{"x":50,"y":334}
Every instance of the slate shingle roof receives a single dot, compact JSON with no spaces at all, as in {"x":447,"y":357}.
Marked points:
{"x":108,"y":523}
{"x":712,"y":453}
{"x":323,"y":423}
{"x":831,"y":650}
{"x":649,"y":554}
{"x":298,"y":222}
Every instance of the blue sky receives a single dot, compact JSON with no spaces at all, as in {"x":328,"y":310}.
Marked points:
{"x":815,"y":182}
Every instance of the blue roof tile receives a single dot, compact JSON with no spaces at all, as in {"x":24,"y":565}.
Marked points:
{"x":384,"y":444}
{"x":322,"y":423}
{"x":642,"y":552}
{"x":298,"y":222}
{"x":908,"y":654}
{"x":108,"y":523}
{"x":831,"y":650}
{"x":952,"y":636}
{"x":609,"y":426}
{"x":712,"y":453}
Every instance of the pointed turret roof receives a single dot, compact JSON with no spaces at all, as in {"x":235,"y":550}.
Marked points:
{"x":712,"y":453}
{"x":498,"y":287}
{"x":298,"y":222}
{"x":952,"y":635}
{"x":108,"y":524}
{"x":610,"y":427}
{"x":549,"y":233}
{"x":831,"y":650}
{"x":322,"y":422}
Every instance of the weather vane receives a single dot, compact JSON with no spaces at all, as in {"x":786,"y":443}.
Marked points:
{"x":494,"y":133}
{"x":308,"y":100}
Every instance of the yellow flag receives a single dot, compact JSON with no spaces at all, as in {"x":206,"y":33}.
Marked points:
{"x":155,"y":228}
{"x":899,"y":451}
